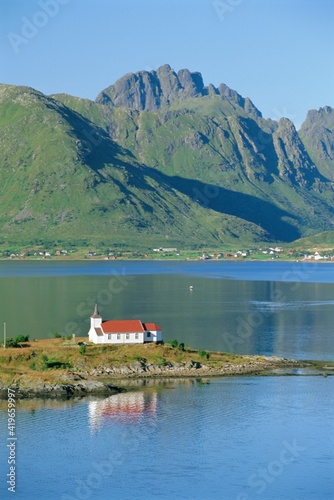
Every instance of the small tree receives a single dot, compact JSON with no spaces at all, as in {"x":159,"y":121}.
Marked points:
{"x":82,"y":350}
{"x":22,"y":338}
{"x":11,"y":343}
{"x":17,"y":341}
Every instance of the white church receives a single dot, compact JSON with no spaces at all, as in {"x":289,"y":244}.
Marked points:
{"x":122,"y":331}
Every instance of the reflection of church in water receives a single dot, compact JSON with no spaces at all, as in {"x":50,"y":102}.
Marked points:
{"x":126,"y":407}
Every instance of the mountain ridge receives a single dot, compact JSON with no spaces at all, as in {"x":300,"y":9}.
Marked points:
{"x":197,"y":166}
{"x":151,"y":90}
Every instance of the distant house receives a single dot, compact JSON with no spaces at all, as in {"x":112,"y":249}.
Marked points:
{"x":122,"y":331}
{"x":161,"y":249}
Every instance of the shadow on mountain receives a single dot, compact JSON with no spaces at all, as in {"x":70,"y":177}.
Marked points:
{"x":104,"y":153}
{"x":244,"y":206}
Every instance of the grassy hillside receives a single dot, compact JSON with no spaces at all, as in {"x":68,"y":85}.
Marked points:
{"x":66,"y":179}
{"x":203,"y":171}
{"x":324,"y":241}
{"x":230,"y":155}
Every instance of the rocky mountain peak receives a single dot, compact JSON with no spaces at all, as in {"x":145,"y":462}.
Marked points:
{"x":317,"y":134}
{"x":192,"y":83}
{"x":295,"y":163}
{"x":318,"y":115}
{"x":152,"y":90}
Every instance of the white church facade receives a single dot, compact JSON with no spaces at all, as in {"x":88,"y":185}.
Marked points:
{"x":122,"y":331}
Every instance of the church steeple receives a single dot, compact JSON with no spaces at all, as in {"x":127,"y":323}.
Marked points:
{"x":95,"y":319}
{"x":96,"y":313}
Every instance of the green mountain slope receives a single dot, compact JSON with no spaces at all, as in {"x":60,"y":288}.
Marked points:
{"x":157,"y":158}
{"x":63,"y":178}
{"x":220,"y":139}
{"x":323,"y":240}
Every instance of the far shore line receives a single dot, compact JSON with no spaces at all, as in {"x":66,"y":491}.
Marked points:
{"x":132,"y":259}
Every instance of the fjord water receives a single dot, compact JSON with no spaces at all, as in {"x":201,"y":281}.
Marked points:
{"x":268,"y":308}
{"x":229,"y":439}
{"x":239,"y":438}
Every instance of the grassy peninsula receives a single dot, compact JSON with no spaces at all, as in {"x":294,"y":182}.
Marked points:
{"x":58,"y":367}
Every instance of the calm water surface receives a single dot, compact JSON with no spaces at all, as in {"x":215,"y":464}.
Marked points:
{"x":269,"y":308}
{"x":232,"y":439}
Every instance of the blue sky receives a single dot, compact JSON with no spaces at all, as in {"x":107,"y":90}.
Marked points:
{"x":277,"y":52}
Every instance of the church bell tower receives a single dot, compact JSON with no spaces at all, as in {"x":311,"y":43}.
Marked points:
{"x":95,"y":319}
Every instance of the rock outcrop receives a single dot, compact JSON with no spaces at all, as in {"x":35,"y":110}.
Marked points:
{"x":317,"y":135}
{"x":61,"y":390}
{"x":97,"y":381}
{"x":152,"y":90}
{"x":142,"y":369}
{"x":294,"y":163}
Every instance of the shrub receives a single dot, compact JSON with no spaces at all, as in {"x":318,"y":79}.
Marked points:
{"x":82,"y":350}
{"x":204,"y":354}
{"x":15,"y":342}
{"x":57,"y":335}
{"x":181,"y":346}
{"x":11,"y":343}
{"x":174,"y":343}
{"x":50,"y":363}
{"x":22,"y":338}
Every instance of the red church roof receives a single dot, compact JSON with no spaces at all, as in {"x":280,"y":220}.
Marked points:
{"x":128,"y":326}
{"x":151,"y":327}
{"x":122,"y":326}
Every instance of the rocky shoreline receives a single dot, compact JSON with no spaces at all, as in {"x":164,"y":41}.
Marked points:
{"x":98,"y":381}
{"x":65,"y":390}
{"x":193,"y":368}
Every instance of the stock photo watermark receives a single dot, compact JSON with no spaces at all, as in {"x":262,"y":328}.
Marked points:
{"x":248,"y":323}
{"x":208,"y":194}
{"x":225,"y":7}
{"x":284,"y":113}
{"x":265,"y":476}
{"x":117,"y":283}
{"x":93,"y":140}
{"x":101,"y":471}
{"x":11,"y":440}
{"x":84,"y":488}
{"x":31,"y":26}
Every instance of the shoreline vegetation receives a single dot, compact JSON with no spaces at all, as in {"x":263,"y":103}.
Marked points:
{"x":321,"y":250}
{"x":306,"y":256}
{"x":58,"y":368}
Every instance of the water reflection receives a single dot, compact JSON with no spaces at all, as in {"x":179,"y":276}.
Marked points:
{"x":122,"y":408}
{"x":292,"y":319}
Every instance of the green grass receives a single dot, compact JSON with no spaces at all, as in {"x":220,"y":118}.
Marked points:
{"x":178,"y":177}
{"x":321,"y":241}
{"x":49,"y":360}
